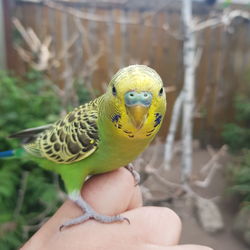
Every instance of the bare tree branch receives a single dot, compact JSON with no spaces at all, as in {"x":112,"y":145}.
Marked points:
{"x":85,"y":15}
{"x":172,"y":130}
{"x":39,"y":56}
{"x":226,"y":19}
{"x":211,"y":167}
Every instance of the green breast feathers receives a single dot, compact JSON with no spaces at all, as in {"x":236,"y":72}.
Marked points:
{"x":70,"y":139}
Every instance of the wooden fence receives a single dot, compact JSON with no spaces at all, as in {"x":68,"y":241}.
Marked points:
{"x":114,"y":37}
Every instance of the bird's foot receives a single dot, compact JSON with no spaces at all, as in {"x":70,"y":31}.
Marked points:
{"x":90,"y":213}
{"x":135,"y":174}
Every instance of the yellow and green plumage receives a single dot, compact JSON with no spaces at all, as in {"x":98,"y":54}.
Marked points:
{"x":104,"y":134}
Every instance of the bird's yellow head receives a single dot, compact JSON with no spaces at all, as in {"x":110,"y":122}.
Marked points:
{"x":135,"y":102}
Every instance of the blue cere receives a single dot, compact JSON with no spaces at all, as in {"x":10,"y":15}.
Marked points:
{"x":133,"y":98}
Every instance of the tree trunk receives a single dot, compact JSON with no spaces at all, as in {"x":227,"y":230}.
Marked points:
{"x":172,"y":130}
{"x":188,"y":89}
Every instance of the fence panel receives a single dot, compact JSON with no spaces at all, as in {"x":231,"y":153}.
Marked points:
{"x":117,"y":41}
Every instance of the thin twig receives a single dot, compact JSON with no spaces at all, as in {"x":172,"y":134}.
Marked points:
{"x":214,"y":158}
{"x":85,"y":15}
{"x":21,"y":193}
{"x":225,"y":19}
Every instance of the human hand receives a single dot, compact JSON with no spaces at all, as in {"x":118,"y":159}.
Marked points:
{"x":112,"y":193}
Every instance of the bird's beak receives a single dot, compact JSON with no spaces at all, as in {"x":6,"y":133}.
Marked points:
{"x":138,"y":115}
{"x":137,"y":105}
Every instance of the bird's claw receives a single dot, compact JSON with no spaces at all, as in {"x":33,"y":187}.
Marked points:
{"x":89,"y":213}
{"x":135,"y":174}
{"x":97,"y":217}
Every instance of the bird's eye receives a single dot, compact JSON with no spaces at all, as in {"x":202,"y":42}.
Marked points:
{"x":114,"y":91}
{"x":161,"y":92}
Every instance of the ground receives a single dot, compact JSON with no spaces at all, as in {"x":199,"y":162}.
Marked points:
{"x":192,"y":230}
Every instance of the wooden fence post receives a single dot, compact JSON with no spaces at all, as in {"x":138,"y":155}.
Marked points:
{"x":2,"y":40}
{"x":7,"y":6}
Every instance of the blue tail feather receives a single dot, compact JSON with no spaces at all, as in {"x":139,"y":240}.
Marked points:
{"x":7,"y":153}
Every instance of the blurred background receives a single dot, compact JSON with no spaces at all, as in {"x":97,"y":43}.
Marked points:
{"x":57,"y":54}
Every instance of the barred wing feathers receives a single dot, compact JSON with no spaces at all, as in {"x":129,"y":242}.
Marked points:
{"x":70,"y":139}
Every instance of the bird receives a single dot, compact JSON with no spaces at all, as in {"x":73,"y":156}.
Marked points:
{"x":102,"y":135}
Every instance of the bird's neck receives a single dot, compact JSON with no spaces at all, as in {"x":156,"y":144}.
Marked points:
{"x":120,"y":144}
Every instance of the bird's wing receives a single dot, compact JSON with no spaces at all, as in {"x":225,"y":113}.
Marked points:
{"x":31,"y":132}
{"x":71,"y":139}
{"x":29,"y":136}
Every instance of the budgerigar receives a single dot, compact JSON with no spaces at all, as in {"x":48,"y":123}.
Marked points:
{"x":100,"y":136}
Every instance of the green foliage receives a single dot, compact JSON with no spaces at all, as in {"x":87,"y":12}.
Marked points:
{"x":24,"y":103}
{"x":237,"y":135}
{"x":83,"y":93}
{"x":242,"y":104}
{"x":27,"y":193}
{"x":241,"y":178}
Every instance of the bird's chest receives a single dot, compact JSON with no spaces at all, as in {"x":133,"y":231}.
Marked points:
{"x":117,"y":152}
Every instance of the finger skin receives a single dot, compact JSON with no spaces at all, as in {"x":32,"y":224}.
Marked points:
{"x":154,"y":247}
{"x":188,"y":247}
{"x":149,"y":226}
{"x":111,"y":193}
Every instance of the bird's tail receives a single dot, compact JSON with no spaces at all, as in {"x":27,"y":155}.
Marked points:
{"x":12,"y":153}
